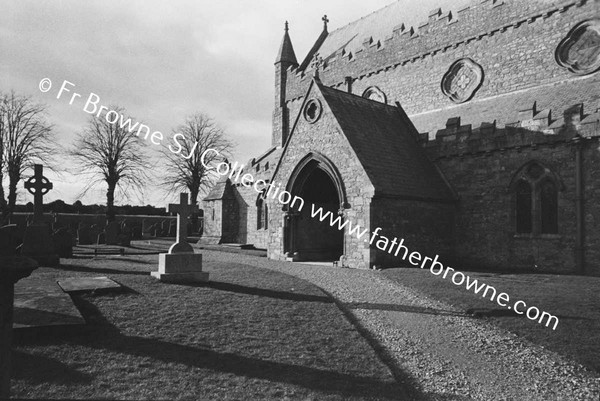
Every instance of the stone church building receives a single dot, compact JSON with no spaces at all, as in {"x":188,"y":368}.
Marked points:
{"x":473,"y":136}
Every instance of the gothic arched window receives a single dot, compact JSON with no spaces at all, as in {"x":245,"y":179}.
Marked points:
{"x":549,"y":207}
{"x":535,"y":192}
{"x":523,"y":207}
{"x":266,"y":214}
{"x":262,"y":213}
{"x":259,"y":213}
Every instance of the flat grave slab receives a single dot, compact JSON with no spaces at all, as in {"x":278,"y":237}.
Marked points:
{"x":40,"y":302}
{"x":88,"y":284}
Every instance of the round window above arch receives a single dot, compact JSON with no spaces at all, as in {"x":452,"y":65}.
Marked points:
{"x":374,"y":93}
{"x":312,"y":110}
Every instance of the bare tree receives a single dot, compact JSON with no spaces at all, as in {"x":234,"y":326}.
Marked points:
{"x":25,"y":139}
{"x":184,"y":170}
{"x":109,"y":153}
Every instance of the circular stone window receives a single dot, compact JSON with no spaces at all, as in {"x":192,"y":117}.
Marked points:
{"x":376,"y":94}
{"x":462,"y":80}
{"x":312,"y":110}
{"x":579,"y":51}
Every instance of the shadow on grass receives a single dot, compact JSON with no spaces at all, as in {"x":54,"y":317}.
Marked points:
{"x":404,"y":308}
{"x":32,"y":316}
{"x":87,"y":269}
{"x":150,"y":248}
{"x":106,"y":336}
{"x":263,"y":292}
{"x":136,"y":261}
{"x":41,"y":369}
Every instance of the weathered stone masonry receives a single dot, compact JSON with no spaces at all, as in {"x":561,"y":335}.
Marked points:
{"x":493,"y":89}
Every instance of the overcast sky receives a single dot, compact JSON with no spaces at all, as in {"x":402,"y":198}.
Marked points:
{"x":164,"y":60}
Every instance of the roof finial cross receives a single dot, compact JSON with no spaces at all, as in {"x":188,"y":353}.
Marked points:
{"x":286,"y":26}
{"x":317,"y":63}
{"x":325,"y":21}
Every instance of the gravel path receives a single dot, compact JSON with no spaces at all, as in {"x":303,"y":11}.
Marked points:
{"x":445,"y":354}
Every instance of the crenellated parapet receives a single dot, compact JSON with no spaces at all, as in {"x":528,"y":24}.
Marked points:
{"x":533,"y":128}
{"x":444,"y":32}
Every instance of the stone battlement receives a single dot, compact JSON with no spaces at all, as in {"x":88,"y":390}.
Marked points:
{"x":444,"y":31}
{"x":534,"y":128}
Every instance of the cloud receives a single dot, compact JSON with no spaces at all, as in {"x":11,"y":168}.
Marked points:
{"x":161,"y":60}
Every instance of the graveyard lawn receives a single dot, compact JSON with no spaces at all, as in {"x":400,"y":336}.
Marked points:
{"x":248,"y":334}
{"x":573,"y":299}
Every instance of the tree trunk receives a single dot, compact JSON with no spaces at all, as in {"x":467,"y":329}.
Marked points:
{"x":194,"y":196}
{"x":12,"y":193}
{"x":3,"y":206}
{"x":110,"y":202}
{"x":194,"y":217}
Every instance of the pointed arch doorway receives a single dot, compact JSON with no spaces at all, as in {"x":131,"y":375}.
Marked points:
{"x":317,"y":181}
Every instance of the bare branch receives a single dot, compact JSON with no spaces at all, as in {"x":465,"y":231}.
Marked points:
{"x":25,"y":139}
{"x":184,"y":170}
{"x":111,"y":154}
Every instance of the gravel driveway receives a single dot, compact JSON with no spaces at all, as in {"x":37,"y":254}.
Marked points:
{"x":449,"y":356}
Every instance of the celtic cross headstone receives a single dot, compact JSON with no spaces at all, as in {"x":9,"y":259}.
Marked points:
{"x":37,"y":242}
{"x":38,"y":186}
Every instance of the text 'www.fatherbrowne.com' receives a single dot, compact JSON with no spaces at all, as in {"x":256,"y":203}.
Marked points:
{"x":92,"y":105}
{"x":397,"y":248}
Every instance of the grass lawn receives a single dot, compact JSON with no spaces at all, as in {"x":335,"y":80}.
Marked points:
{"x":574,"y":300}
{"x":249,"y":334}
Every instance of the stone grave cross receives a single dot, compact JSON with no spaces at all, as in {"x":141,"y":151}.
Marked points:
{"x":181,"y":264}
{"x":37,"y":243}
{"x":38,"y":186}
{"x":183,"y":210}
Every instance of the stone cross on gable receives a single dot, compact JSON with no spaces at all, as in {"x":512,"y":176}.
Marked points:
{"x":183,"y":210}
{"x":325,"y":21}
{"x":38,"y":185}
{"x":317,"y":62}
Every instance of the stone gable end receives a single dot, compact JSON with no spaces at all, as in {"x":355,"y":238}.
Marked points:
{"x":325,"y":137}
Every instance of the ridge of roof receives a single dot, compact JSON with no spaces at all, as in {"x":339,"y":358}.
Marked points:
{"x":377,"y":25}
{"x":385,"y":142}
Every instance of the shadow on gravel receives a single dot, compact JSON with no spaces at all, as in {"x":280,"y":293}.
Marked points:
{"x":221,"y":248}
{"x":404,"y":308}
{"x":447,"y":397}
{"x":263,"y":292}
{"x":479,"y":313}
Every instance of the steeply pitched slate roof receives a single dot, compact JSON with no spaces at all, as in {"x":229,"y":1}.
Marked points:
{"x":504,"y":109}
{"x":218,"y":190}
{"x":378,"y":25}
{"x":383,"y":139}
